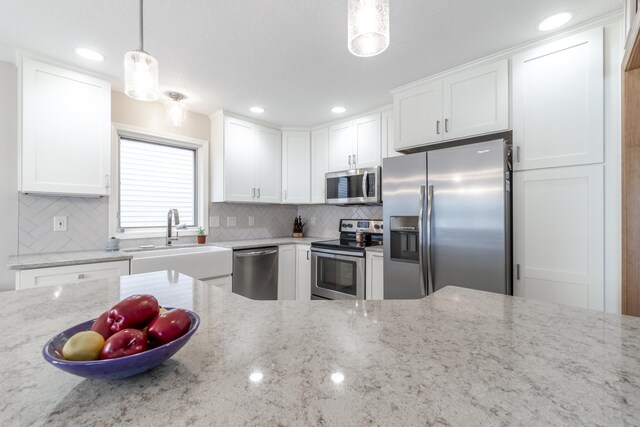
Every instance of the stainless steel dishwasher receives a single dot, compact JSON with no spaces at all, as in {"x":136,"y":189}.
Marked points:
{"x":255,"y":273}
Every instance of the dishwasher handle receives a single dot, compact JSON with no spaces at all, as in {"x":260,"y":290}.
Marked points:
{"x":256,"y":253}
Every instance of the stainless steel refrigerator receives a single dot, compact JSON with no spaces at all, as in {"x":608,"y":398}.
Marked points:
{"x":447,"y":220}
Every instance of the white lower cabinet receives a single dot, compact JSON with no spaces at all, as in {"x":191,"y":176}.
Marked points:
{"x":303,"y":273}
{"x":558,"y":234}
{"x":287,"y":272}
{"x":374,"y":276}
{"x":55,"y":276}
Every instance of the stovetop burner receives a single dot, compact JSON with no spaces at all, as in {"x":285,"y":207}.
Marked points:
{"x":372,"y":230}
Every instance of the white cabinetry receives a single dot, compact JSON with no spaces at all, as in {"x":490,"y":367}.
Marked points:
{"x":355,"y":144}
{"x":303,"y":272}
{"x":65,"y":145}
{"x":558,"y":109}
{"x":559,"y":235}
{"x":245,"y":161}
{"x":467,"y":103}
{"x":375,"y":276}
{"x":319,"y":164}
{"x":296,"y":164}
{"x":54,"y":276}
{"x":388,"y":135}
{"x":287,"y":272}
{"x":340,"y":147}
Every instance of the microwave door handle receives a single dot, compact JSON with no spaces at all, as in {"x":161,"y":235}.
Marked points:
{"x":365,"y":184}
{"x":423,"y":284}
{"x":429,"y":240}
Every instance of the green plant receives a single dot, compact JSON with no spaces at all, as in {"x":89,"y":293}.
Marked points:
{"x":200,"y":231}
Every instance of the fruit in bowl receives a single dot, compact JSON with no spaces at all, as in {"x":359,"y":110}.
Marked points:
{"x":133,"y":336}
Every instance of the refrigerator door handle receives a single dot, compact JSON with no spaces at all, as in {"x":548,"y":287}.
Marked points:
{"x":429,"y":245}
{"x":423,"y":284}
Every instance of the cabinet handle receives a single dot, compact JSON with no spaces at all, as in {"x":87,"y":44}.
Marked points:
{"x":446,"y":125}
{"x":518,"y":153}
{"x":517,"y":271}
{"x":106,"y":182}
{"x":253,"y":193}
{"x":349,"y":159}
{"x":81,"y":276}
{"x":438,"y":127}
{"x":258,"y":191}
{"x":285,"y":194}
{"x":354,"y":160}
{"x":308,"y":253}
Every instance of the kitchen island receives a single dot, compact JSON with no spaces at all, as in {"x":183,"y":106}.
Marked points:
{"x":457,"y":357}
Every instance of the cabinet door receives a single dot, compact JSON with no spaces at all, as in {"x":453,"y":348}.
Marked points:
{"x":65,"y":275}
{"x":268,"y":165}
{"x":388,"y":135}
{"x":287,"y":272}
{"x":303,"y":273}
{"x":319,"y":164}
{"x":296,"y":167}
{"x":418,"y":114}
{"x":368,"y":144}
{"x":558,"y":117}
{"x":558,"y":235}
{"x":375,"y":276}
{"x":341,"y":148}
{"x":476,"y":101}
{"x":239,"y":161}
{"x":66,"y":131}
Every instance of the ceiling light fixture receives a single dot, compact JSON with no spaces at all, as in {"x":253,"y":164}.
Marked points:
{"x":257,"y":110}
{"x":90,"y":54}
{"x":338,"y":110}
{"x":177,"y":113}
{"x":141,"y":71}
{"x":555,"y":21}
{"x":368,"y":27}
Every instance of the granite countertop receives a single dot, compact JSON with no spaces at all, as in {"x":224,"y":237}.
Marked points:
{"x":276,"y":241}
{"x":458,"y":357}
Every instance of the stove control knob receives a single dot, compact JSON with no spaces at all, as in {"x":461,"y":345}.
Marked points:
{"x":350,"y":225}
{"x":376,"y":226}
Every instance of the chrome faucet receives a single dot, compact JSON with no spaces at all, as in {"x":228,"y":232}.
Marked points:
{"x":176,"y":219}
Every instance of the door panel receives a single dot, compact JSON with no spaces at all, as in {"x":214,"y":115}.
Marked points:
{"x":268,"y":165}
{"x":367,"y":139}
{"x":296,"y":171}
{"x":319,"y":164}
{"x":419,"y":115}
{"x":340,"y":147}
{"x":240,"y":160}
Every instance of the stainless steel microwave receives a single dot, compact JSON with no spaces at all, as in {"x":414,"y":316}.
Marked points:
{"x":354,"y":187}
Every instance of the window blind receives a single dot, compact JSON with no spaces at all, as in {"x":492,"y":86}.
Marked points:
{"x":153,"y":179}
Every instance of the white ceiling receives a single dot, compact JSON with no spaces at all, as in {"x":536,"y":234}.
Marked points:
{"x":289,"y":56}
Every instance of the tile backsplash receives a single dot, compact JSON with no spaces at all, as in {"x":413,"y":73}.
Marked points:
{"x":327,"y":217}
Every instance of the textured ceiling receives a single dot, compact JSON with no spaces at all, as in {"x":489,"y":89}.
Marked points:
{"x":289,"y":56}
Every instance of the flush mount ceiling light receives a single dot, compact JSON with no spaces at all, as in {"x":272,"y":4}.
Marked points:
{"x":338,"y":110}
{"x":368,"y":27}
{"x":177,"y":113}
{"x":141,"y":71}
{"x":257,"y":110}
{"x":90,"y":54}
{"x":555,"y":21}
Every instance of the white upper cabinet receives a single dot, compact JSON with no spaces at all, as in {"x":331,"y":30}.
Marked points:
{"x":268,"y":165}
{"x":368,"y":145}
{"x":468,"y":103}
{"x":239,"y":161}
{"x":476,"y":101}
{"x":65,"y":146}
{"x":341,"y":148}
{"x":558,"y":103}
{"x":388,"y":135}
{"x":296,"y":167}
{"x":319,"y":164}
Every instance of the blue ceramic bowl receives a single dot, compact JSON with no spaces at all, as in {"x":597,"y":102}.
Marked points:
{"x":112,"y":369}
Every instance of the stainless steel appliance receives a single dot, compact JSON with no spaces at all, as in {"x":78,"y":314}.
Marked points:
{"x":357,"y":186}
{"x":447,"y":216}
{"x":255,"y":273}
{"x":338,"y":266}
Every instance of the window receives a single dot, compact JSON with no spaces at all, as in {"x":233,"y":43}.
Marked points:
{"x":154,"y":173}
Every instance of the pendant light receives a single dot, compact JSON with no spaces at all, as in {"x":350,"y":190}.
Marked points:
{"x":368,"y":27}
{"x":176,"y":111}
{"x":141,"y":71}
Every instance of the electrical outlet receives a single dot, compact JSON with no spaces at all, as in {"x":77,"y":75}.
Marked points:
{"x":214,"y":221}
{"x":59,"y":223}
{"x":251,"y":221}
{"x":313,"y":220}
{"x":231,"y":221}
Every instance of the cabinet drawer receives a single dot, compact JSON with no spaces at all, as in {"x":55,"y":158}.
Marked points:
{"x":54,"y":276}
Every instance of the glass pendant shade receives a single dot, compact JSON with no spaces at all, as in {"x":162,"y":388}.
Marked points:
{"x":368,"y":27}
{"x":176,"y":113}
{"x":140,"y":75}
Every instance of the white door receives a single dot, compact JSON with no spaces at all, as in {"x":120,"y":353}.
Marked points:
{"x":296,"y":167}
{"x":239,"y":161}
{"x":66,"y":131}
{"x":558,"y":235}
{"x":268,"y":165}
{"x":368,"y":144}
{"x":303,"y":273}
{"x":341,"y":147}
{"x":558,"y":103}
{"x":388,"y":134}
{"x":375,"y":276}
{"x":287,"y":272}
{"x":418,"y":114}
{"x":319,"y":164}
{"x":476,"y":101}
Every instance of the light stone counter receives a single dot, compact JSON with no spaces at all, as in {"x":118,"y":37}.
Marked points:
{"x":277,"y":241}
{"x":458,"y":358}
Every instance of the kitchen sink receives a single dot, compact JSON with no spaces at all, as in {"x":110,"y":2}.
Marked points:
{"x":200,"y":262}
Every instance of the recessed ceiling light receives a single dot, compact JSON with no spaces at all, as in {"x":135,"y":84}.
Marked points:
{"x":555,"y":21}
{"x":338,"y":110}
{"x":89,"y":54}
{"x":258,"y":110}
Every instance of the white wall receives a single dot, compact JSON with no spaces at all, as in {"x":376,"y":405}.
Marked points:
{"x":8,"y":170}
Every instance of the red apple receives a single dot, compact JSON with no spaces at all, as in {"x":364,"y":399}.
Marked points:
{"x":124,"y":343}
{"x":102,"y":326}
{"x":133,"y":312}
{"x":168,"y":326}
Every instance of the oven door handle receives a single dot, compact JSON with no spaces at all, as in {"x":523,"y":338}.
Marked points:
{"x":331,"y":253}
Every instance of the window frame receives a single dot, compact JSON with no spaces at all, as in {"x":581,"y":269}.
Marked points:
{"x":201,"y":148}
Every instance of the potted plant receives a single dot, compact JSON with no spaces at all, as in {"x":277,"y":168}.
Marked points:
{"x":202,"y":238}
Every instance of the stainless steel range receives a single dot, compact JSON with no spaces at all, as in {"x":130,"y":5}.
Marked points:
{"x":338,"y":266}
